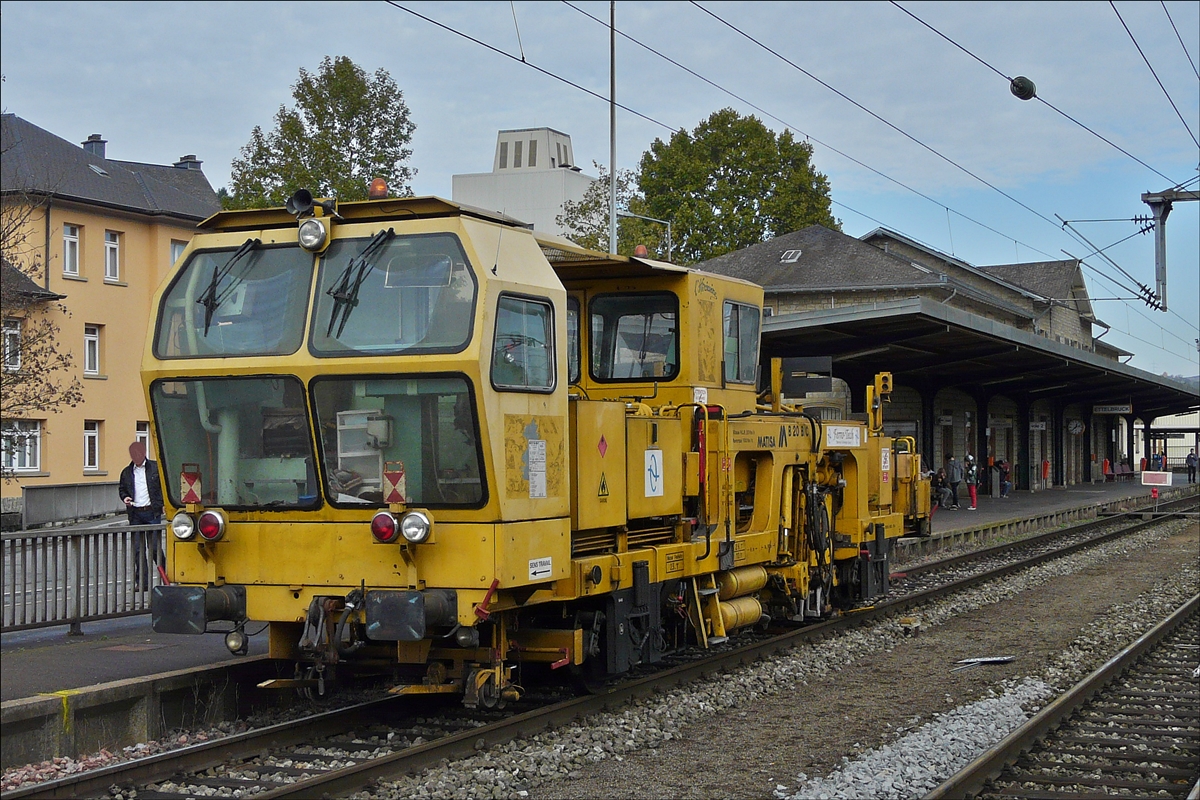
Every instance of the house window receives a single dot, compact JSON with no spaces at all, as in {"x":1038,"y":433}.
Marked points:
{"x":12,"y":345}
{"x":91,"y":445}
{"x":91,"y":349}
{"x":142,"y":434}
{"x":741,"y":343}
{"x":517,"y":155}
{"x":70,"y":249}
{"x":558,"y":149}
{"x":504,"y":155}
{"x":177,"y":248}
{"x":523,"y":352}
{"x":21,"y":443}
{"x":789,"y":257}
{"x":112,"y":256}
{"x":533,"y":152}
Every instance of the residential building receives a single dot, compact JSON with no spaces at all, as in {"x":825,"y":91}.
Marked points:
{"x":533,"y":175}
{"x":99,"y":235}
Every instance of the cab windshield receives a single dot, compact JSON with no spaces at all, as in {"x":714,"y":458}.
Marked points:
{"x":237,"y":301}
{"x":392,"y":294}
{"x":247,"y":438}
{"x":398,"y":438}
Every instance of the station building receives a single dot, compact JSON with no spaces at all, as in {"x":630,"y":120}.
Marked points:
{"x":95,"y":235}
{"x":1001,"y":362}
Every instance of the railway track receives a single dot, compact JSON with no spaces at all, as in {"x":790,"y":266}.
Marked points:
{"x":341,"y":751}
{"x":1131,"y":728}
{"x":1001,"y":559}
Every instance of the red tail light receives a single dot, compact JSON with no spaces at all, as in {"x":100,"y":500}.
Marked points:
{"x":211,"y":526}
{"x":384,"y":527}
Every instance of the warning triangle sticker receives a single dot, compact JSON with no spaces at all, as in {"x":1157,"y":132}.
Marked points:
{"x":603,"y":492}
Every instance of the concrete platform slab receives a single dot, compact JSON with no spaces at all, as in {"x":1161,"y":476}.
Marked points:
{"x":1031,"y":504}
{"x":47,"y":660}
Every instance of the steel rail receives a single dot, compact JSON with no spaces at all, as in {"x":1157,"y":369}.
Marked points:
{"x":354,"y":778}
{"x":971,"y":779}
{"x":202,"y":756}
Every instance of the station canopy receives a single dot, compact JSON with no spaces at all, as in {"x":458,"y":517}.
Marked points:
{"x":924,"y":342}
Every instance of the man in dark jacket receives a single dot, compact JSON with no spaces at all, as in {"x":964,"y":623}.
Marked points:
{"x":142,"y":494}
{"x":954,"y":476}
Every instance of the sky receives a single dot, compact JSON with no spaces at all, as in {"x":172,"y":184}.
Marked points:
{"x":159,"y":80}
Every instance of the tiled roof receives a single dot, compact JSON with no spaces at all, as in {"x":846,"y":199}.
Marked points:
{"x":37,"y":161}
{"x":823,"y":259}
{"x":21,"y":284}
{"x":1053,"y":280}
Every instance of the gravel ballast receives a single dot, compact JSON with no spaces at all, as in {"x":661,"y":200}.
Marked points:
{"x":648,"y":748}
{"x":921,"y":760}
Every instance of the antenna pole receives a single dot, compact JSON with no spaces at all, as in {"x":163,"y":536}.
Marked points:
{"x":612,"y":126}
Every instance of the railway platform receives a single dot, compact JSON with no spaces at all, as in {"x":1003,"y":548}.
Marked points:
{"x":1024,"y":505}
{"x":47,"y":660}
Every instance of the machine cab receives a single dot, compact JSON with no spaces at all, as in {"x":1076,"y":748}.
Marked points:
{"x":651,"y":330}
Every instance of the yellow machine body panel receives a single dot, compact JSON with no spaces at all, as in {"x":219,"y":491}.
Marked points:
{"x":438,"y":439}
{"x":597,"y":464}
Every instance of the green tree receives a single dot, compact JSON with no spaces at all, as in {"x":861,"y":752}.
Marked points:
{"x":347,"y":127}
{"x":731,"y":183}
{"x":586,"y":221}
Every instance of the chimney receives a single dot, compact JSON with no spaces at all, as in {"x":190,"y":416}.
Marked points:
{"x":188,"y":162}
{"x":95,"y":145}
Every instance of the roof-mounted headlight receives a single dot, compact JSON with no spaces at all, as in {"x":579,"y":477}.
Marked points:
{"x":313,"y":234}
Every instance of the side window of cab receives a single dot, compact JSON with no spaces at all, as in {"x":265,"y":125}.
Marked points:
{"x":741,"y":323}
{"x":523,"y":348}
{"x":573,"y":346}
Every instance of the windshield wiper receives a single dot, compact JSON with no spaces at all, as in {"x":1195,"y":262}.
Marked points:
{"x":209,"y":299}
{"x":345,"y":290}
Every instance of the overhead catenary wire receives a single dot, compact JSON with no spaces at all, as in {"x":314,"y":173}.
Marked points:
{"x":891,"y":125}
{"x":1141,"y":232}
{"x":1079,"y":237}
{"x":1181,"y":185}
{"x":1039,"y":98}
{"x":1150,"y":66}
{"x":1129,"y":307}
{"x":876,"y":116}
{"x":1180,"y":38}
{"x":529,"y":64}
{"x":811,"y":138}
{"x":1104,"y":276}
{"x":664,"y":125}
{"x":520,"y":44}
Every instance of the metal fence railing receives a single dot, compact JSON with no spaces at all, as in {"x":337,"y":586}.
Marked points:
{"x":68,"y":577}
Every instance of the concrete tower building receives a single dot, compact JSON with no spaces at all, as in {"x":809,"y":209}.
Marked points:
{"x":533,"y":174}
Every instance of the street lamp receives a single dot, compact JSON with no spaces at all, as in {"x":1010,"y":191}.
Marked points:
{"x":653,"y":219}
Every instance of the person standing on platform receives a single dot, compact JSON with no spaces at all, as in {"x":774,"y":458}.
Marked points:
{"x":142,"y":494}
{"x":941,"y":490}
{"x":1005,"y":483}
{"x":1191,"y":462}
{"x":971,"y":475}
{"x":954,"y":476}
